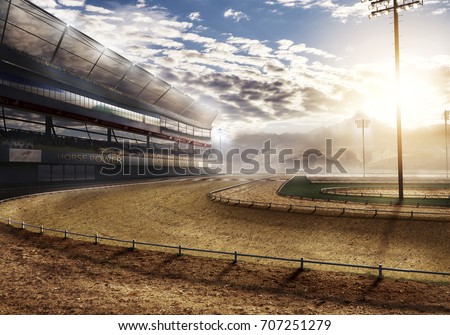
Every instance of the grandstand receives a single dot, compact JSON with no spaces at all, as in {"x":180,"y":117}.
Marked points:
{"x":72,"y":109}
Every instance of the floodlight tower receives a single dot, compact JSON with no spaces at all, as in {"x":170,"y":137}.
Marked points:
{"x":379,"y":7}
{"x":220,"y":130}
{"x":363,"y":123}
{"x":446,"y":117}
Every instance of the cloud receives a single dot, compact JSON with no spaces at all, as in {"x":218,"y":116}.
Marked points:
{"x":192,"y":37}
{"x":288,"y":46}
{"x":141,"y":4}
{"x":339,"y":11}
{"x":344,"y":12}
{"x":195,"y":16}
{"x":100,"y":10}
{"x":46,"y":3}
{"x":250,"y":46}
{"x":284,"y":44}
{"x":439,"y":11}
{"x":236,"y":15}
{"x":72,"y":3}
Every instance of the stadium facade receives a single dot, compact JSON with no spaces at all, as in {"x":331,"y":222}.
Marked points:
{"x":72,"y":109}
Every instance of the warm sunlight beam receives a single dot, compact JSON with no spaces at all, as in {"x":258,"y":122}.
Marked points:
{"x":421,"y":103}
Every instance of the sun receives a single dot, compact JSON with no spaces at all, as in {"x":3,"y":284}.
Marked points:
{"x":421,"y":103}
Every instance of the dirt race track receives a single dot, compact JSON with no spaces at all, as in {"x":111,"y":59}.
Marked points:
{"x":50,"y":275}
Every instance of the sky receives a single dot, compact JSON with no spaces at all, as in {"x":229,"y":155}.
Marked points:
{"x":280,"y":66}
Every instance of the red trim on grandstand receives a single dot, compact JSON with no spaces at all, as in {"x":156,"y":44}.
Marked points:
{"x":61,"y":113}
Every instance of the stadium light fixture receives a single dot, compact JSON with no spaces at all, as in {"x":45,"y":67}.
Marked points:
{"x":446,"y":117}
{"x":220,"y":131}
{"x":379,"y":7}
{"x":363,"y":123}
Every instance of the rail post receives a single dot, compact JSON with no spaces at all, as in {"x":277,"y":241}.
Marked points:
{"x":65,"y":233}
{"x":133,"y":245}
{"x":235,"y":257}
{"x":41,"y":230}
{"x":23,"y":225}
{"x":179,"y":250}
{"x":9,"y":221}
{"x":302,"y":264}
{"x":380,"y":271}
{"x":96,"y":239}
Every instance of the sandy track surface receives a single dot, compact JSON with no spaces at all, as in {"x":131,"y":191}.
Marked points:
{"x":50,"y":275}
{"x":178,"y":212}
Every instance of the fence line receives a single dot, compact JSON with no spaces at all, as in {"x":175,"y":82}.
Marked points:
{"x":348,"y":191}
{"x":97,"y":238}
{"x":400,"y":214}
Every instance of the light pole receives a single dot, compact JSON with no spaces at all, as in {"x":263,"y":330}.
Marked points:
{"x":379,"y":7}
{"x":446,"y":117}
{"x":220,"y":130}
{"x":363,"y":123}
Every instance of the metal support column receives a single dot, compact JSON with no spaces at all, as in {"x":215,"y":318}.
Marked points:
{"x":48,"y":125}
{"x":398,"y":103}
{"x":59,"y":44}
{"x":446,"y":117}
{"x":4,"y":119}
{"x":6,"y":21}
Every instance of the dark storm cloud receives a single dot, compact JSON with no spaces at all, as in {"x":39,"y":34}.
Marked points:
{"x":247,"y":98}
{"x":246,"y":109}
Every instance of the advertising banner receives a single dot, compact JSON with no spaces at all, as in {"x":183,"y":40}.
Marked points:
{"x":25,"y":155}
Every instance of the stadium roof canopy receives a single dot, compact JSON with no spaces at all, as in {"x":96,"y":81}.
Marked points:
{"x":30,"y":29}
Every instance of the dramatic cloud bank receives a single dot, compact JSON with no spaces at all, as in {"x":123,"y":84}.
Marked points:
{"x":272,"y":85}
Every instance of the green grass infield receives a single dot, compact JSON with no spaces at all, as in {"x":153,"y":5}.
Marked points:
{"x":302,"y":187}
